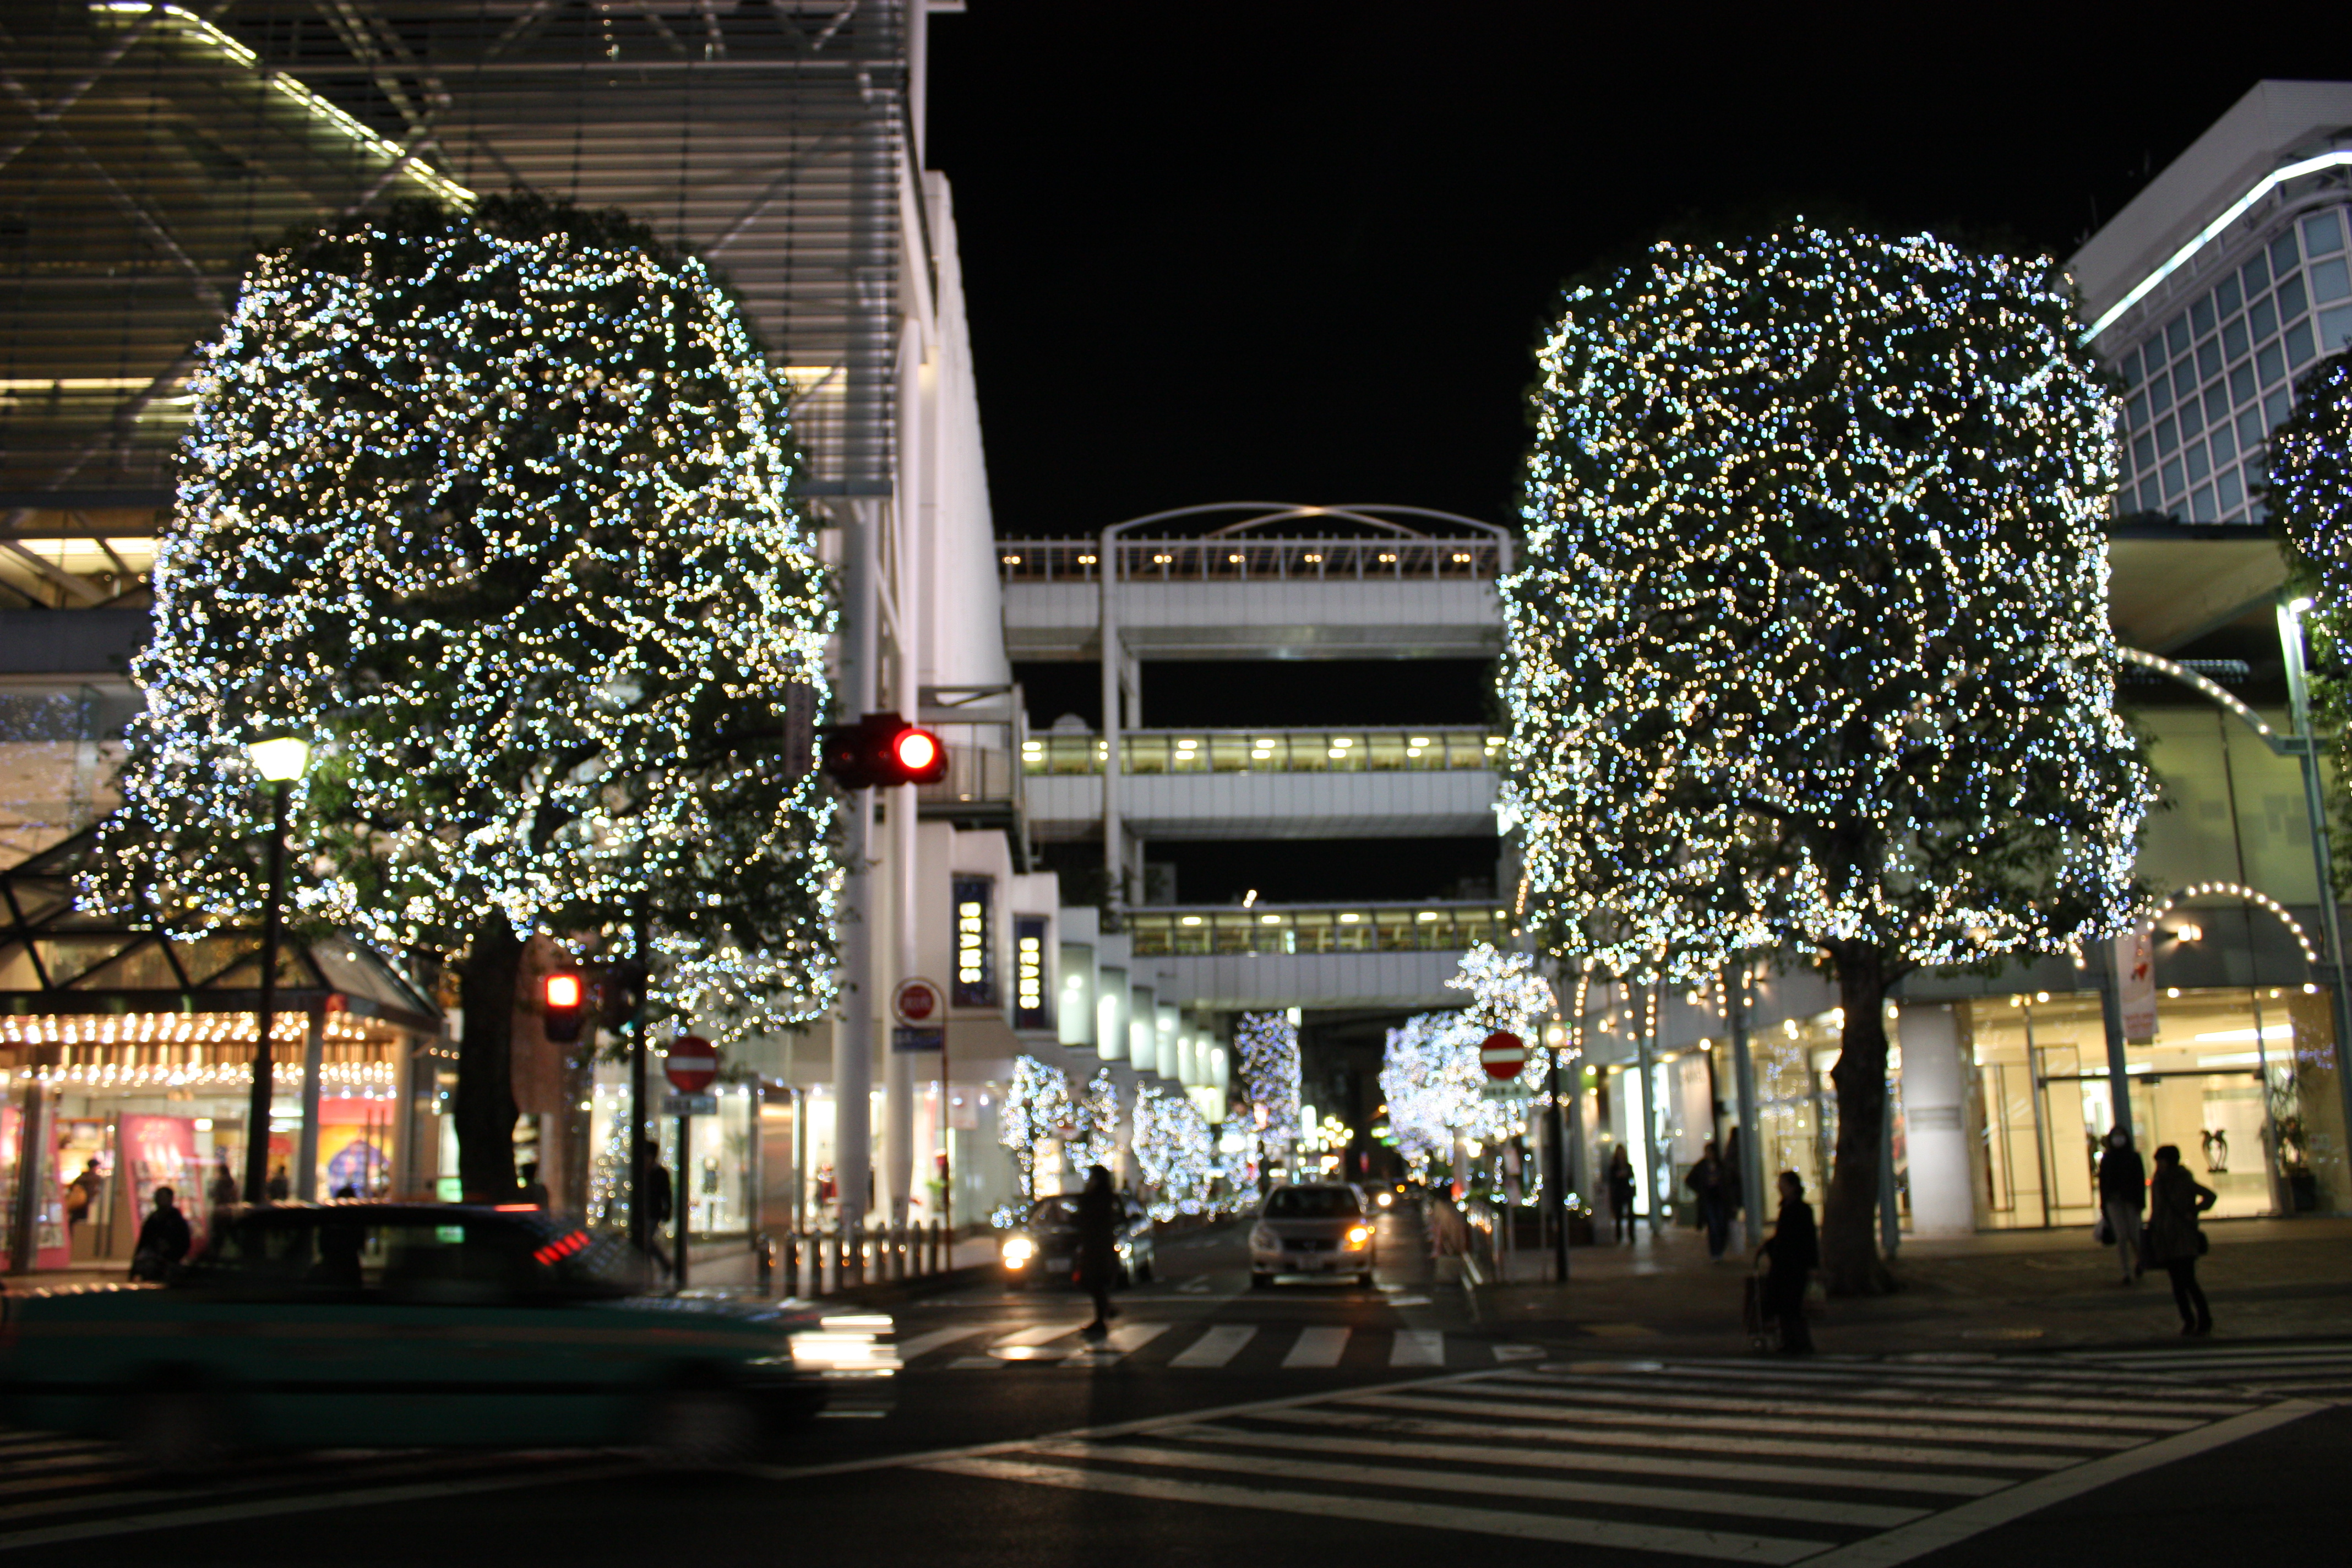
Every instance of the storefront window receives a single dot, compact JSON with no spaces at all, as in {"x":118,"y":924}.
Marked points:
{"x":2241,"y":1080}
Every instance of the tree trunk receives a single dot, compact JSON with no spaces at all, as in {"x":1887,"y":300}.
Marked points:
{"x":485,"y":1107}
{"x":1850,"y":1261}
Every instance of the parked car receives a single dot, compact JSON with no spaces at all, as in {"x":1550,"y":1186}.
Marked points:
{"x":1312,"y":1227}
{"x":387,"y":1325}
{"x":1043,"y":1249}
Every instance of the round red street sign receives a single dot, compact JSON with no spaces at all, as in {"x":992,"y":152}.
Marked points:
{"x":691,"y":1064}
{"x":1504,"y":1054}
{"x":914,"y":1002}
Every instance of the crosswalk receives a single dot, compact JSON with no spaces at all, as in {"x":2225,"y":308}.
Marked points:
{"x":1733,"y":1461}
{"x":1200,"y":1345}
{"x":2303,"y":1371}
{"x":56,"y":1490}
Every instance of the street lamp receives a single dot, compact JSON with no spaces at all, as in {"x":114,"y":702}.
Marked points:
{"x":279,"y":761}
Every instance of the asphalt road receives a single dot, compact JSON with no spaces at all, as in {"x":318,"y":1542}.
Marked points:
{"x":1227,"y":1427}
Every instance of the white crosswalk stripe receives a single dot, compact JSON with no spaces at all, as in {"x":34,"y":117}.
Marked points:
{"x":1204,"y":1345}
{"x":1716,"y":1461}
{"x":1216,"y":1347}
{"x":2305,"y":1370}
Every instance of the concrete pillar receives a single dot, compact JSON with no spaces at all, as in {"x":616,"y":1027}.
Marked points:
{"x":1934,"y":1089}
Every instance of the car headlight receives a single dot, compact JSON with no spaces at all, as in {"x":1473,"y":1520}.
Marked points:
{"x":1387,"y":1198}
{"x":845,"y":1345}
{"x":1265,"y":1239}
{"x":1018,"y":1251}
{"x":1359,"y":1234}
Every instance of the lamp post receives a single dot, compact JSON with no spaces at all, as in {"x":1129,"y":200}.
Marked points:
{"x":280,"y":762}
{"x":2306,"y":750}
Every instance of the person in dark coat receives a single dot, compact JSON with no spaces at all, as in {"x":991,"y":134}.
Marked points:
{"x":660,"y":1204}
{"x":2175,"y":1199}
{"x":163,"y":1238}
{"x":1097,"y":1228}
{"x":1705,"y":1180}
{"x":1735,"y":1177}
{"x":1619,"y":1182}
{"x":2123,"y":1194}
{"x":1794,"y":1251}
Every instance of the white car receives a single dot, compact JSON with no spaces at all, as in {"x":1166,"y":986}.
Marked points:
{"x":1319,"y":1228}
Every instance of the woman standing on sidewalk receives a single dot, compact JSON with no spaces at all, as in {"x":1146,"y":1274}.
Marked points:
{"x":1795,"y":1250}
{"x":1621,"y":1193}
{"x":2175,"y":1240}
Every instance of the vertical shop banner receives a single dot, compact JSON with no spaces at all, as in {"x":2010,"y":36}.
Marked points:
{"x":2136,"y":982}
{"x":161,"y":1151}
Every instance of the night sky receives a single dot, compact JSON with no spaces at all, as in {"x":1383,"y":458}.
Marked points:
{"x":1301,"y":251}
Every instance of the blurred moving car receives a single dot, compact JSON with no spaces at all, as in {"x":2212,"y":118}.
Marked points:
{"x":1045,"y":1246}
{"x":1319,"y":1228}
{"x":398,"y":1324}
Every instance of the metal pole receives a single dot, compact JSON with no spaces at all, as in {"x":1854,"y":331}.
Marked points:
{"x":853,"y":1039}
{"x":305,"y":1148}
{"x":1559,"y":1202}
{"x":2111,"y":1015}
{"x":1113,"y":844}
{"x":684,"y":1190}
{"x":257,"y":1118}
{"x":640,"y":1223}
{"x":1647,"y":1048}
{"x":1753,"y":1194}
{"x":2331,"y":918}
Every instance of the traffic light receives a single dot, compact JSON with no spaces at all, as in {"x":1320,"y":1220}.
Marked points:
{"x":883,"y":749}
{"x":565,"y":1005}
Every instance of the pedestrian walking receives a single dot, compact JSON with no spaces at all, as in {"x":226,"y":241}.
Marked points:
{"x":1705,"y":1180}
{"x":2175,"y":1240}
{"x":82,"y":1194}
{"x":1097,"y":1246}
{"x":163,"y":1239}
{"x":1792,"y":1253}
{"x":660,"y":1204}
{"x":2123,"y":1196}
{"x":1621,"y":1193}
{"x":279,"y":1188}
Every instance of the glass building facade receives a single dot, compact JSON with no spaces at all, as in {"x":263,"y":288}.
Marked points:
{"x":2206,"y":383}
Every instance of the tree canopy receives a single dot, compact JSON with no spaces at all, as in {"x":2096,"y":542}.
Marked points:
{"x":493,"y":508}
{"x":1809,"y":650}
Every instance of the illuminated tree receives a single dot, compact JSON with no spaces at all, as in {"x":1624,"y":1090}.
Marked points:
{"x":1266,"y":1046}
{"x":1433,"y":1083}
{"x":1036,"y":1106}
{"x":1809,"y":651}
{"x":1506,"y":992}
{"x":492,"y":510}
{"x":1097,"y":1113}
{"x":2310,"y":498}
{"x":1174,"y":1149}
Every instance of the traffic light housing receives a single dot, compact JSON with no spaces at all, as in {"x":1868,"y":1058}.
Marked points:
{"x":883,"y":749}
{"x":563,"y":997}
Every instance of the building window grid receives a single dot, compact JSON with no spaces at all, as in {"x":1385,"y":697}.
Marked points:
{"x":2205,"y":387}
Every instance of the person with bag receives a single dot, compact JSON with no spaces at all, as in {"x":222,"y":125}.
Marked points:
{"x":163,"y":1239}
{"x":2123,"y":1194}
{"x":1794,"y":1251}
{"x":2175,"y":1240}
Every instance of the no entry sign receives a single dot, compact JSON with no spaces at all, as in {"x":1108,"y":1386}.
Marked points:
{"x":1504,"y":1054}
{"x":691,"y":1064}
{"x":917,"y":1002}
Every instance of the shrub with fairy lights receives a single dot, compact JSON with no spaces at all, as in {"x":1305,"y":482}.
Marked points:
{"x":1434,"y":1084}
{"x":1266,"y":1046}
{"x":1175,"y":1151}
{"x":1809,"y":650}
{"x":492,"y":509}
{"x":2309,"y":494}
{"x":1037,"y":1106}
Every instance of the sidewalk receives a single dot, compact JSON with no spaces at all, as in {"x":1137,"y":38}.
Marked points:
{"x":2002,"y":1291}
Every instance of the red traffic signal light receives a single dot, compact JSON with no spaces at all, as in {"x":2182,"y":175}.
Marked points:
{"x":564,"y":1005}
{"x":883,"y":749}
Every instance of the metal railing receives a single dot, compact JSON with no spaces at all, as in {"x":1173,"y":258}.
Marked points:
{"x":819,"y":1262}
{"x":1254,"y":559}
{"x":1263,"y":750}
{"x":1174,"y":931}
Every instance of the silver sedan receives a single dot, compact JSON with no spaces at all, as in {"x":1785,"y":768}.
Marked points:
{"x":1312,"y":1228}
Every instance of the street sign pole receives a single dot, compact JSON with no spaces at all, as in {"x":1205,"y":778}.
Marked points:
{"x":1559,"y":1164}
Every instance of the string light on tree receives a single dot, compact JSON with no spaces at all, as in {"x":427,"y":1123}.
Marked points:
{"x":1035,"y":1107}
{"x":2310,"y":493}
{"x":1174,"y":1149}
{"x":1433,"y":1082}
{"x":1265,"y":1044}
{"x":1809,"y":648}
{"x":492,"y":511}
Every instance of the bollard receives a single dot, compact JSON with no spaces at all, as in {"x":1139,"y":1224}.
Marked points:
{"x":939,"y":1247}
{"x":763,"y":1260}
